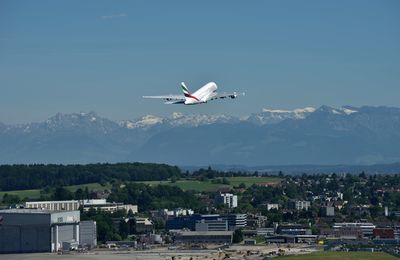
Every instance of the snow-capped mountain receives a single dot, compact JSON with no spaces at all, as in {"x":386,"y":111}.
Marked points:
{"x":267,"y":116}
{"x":143,"y":122}
{"x":75,"y":121}
{"x":326,"y":135}
{"x":177,"y":119}
{"x":273,"y":116}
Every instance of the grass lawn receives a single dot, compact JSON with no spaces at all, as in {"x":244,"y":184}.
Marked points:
{"x":341,"y":256}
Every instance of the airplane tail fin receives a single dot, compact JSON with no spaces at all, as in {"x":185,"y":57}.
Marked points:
{"x":185,"y":90}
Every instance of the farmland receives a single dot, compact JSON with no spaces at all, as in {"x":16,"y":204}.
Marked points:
{"x":200,"y":186}
{"x":184,"y":184}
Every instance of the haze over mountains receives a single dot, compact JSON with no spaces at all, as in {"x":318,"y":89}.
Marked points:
{"x":323,"y":136}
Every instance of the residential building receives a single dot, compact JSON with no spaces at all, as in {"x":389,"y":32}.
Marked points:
{"x":395,"y":213}
{"x":299,"y":204}
{"x":397,"y":231}
{"x":327,"y":211}
{"x":256,"y":221}
{"x":272,"y":206}
{"x":143,"y":225}
{"x":226,"y":199}
{"x":167,"y":214}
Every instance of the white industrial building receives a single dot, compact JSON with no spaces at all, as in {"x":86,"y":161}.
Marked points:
{"x":100,"y":204}
{"x":227,"y":199}
{"x":53,"y":205}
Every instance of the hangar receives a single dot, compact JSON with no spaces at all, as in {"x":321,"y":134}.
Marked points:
{"x":36,"y":230}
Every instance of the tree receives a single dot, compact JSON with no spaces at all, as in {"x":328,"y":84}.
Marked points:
{"x":242,"y":186}
{"x":62,"y":194}
{"x":79,"y":194}
{"x":225,"y":181}
{"x":173,"y":179}
{"x":123,"y":228}
{"x":10,"y":199}
{"x":158,"y":224}
{"x":237,"y":236}
{"x":38,"y":176}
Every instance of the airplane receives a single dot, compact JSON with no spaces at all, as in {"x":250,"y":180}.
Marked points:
{"x":204,"y":94}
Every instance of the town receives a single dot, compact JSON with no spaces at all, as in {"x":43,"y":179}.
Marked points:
{"x":160,"y":211}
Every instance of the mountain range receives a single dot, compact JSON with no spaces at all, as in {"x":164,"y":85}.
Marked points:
{"x":324,"y":136}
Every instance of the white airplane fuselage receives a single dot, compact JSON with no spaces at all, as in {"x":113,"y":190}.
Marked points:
{"x":202,"y":95}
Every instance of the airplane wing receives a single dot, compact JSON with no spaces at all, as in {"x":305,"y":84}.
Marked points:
{"x":169,"y":99}
{"x":227,"y":95}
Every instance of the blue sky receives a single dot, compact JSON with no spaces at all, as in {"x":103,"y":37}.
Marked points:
{"x":102,"y":56}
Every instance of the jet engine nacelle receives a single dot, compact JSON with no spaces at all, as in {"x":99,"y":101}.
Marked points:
{"x":233,"y":96}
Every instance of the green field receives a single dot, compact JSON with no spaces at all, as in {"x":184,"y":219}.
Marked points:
{"x":183,"y":184}
{"x":248,"y":181}
{"x":35,"y":194}
{"x":190,"y":185}
{"x":341,"y":256}
{"x":90,"y":186}
{"x":209,"y":186}
{"x":22,"y":193}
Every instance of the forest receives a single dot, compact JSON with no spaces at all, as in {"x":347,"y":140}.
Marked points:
{"x":38,"y":176}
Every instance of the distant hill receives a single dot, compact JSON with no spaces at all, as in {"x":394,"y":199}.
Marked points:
{"x":392,"y":168}
{"x":323,"y":136}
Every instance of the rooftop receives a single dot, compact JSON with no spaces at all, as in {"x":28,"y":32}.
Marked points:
{"x":32,"y":211}
{"x":204,"y":233}
{"x":52,"y":201}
